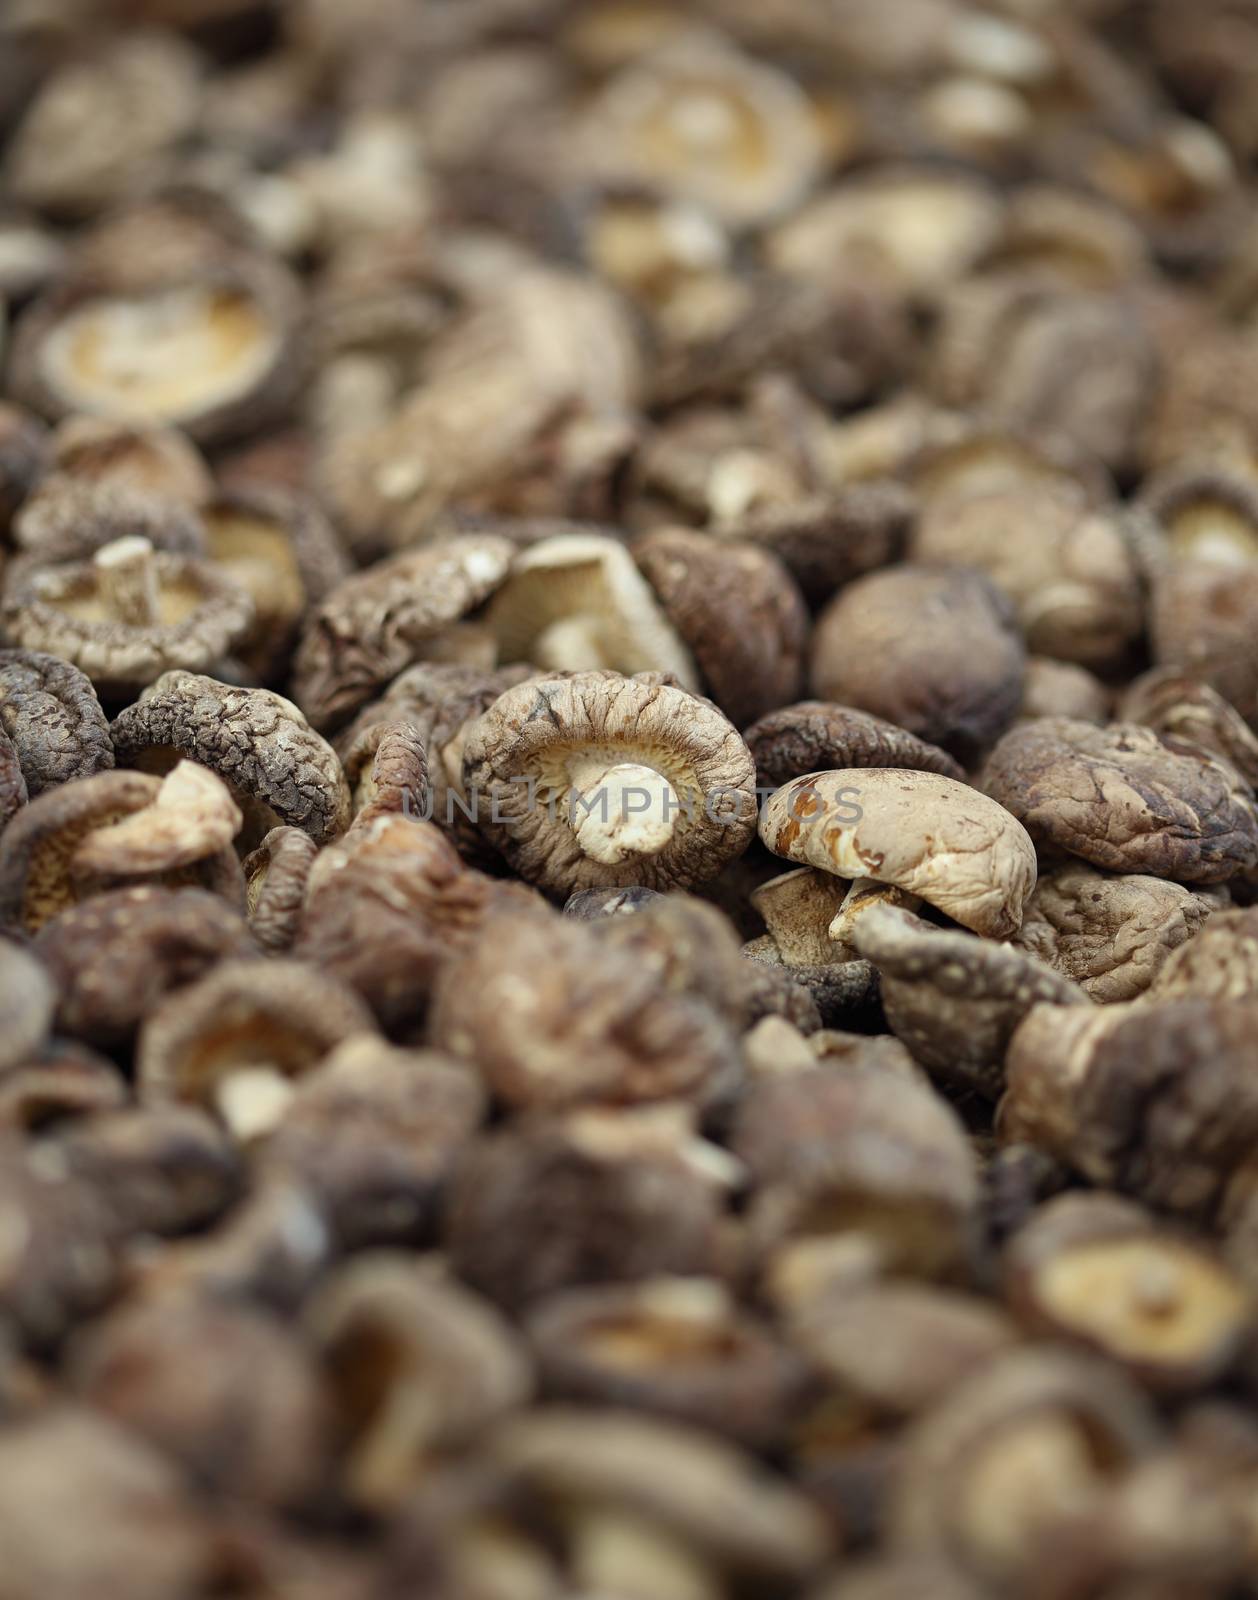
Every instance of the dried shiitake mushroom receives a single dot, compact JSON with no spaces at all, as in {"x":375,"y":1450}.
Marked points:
{"x":1099,"y":1270}
{"x":373,"y":625}
{"x":919,"y":832}
{"x":278,"y":770}
{"x":207,"y":347}
{"x":70,"y":518}
{"x":28,"y":998}
{"x":933,"y":649}
{"x":151,"y":461}
{"x":1124,"y":799}
{"x":1220,"y":963}
{"x":1202,"y":621}
{"x":129,"y":614}
{"x":192,"y":818}
{"x":1112,"y":934}
{"x":115,"y":955}
{"x":598,"y":780}
{"x":1184,"y":711}
{"x":576,"y":603}
{"x":236,"y":1038}
{"x":275,"y":886}
{"x":23,"y":458}
{"x":1201,"y":515}
{"x":13,"y":792}
{"x":953,"y":999}
{"x":1069,"y":568}
{"x":1064,"y":689}
{"x":738,"y":609}
{"x":819,"y":736}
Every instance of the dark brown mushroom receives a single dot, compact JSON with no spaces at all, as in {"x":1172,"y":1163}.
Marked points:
{"x":275,"y":886}
{"x":738,"y":609}
{"x":373,"y":625}
{"x":13,"y":794}
{"x":595,"y":1197}
{"x":1184,"y":711}
{"x":952,"y":999}
{"x":1112,"y":934}
{"x":935,"y":650}
{"x":396,"y":779}
{"x":28,"y":998}
{"x":600,"y":780}
{"x":23,"y":455}
{"x":71,"y":518}
{"x":50,"y":712}
{"x":128,"y":615}
{"x":818,"y":736}
{"x":152,"y":461}
{"x":117,"y":954}
{"x":279,"y":771}
{"x":58,"y":1084}
{"x":1123,"y":799}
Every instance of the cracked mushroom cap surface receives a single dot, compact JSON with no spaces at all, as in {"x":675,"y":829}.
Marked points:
{"x":69,"y":519}
{"x":934,"y":837}
{"x":1184,"y":711}
{"x":955,"y":1000}
{"x":154,"y":461}
{"x":818,"y":736}
{"x":1123,"y":799}
{"x":740,"y":612}
{"x":378,"y":622}
{"x":279,"y":771}
{"x":1112,"y":934}
{"x":933,"y":649}
{"x":649,"y":785}
{"x":577,"y":603}
{"x":129,"y":614}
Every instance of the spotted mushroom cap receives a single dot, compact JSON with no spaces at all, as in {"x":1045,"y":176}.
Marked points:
{"x":277,"y":768}
{"x":563,"y":744}
{"x":932,"y":836}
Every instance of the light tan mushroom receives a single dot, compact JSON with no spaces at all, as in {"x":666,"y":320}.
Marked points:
{"x":923,"y":833}
{"x":798,"y":909}
{"x":578,"y":602}
{"x":192,"y":816}
{"x":596,"y":779}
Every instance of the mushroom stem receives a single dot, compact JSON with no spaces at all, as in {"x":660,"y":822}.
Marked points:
{"x":572,"y":644}
{"x":866,"y":892}
{"x":619,"y":809}
{"x":126,"y":574}
{"x":252,"y":1101}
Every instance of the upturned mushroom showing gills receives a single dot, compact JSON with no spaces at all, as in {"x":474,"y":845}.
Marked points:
{"x":597,"y":779}
{"x":922,"y":833}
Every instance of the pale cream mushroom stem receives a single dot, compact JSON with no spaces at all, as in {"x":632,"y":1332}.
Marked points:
{"x":620,"y":808}
{"x":863,"y":893}
{"x":126,"y":574}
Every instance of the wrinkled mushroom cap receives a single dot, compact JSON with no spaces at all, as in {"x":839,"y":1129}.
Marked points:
{"x":577,"y":603}
{"x":953,"y":999}
{"x":192,"y":816}
{"x":1123,"y":799}
{"x":199,"y":616}
{"x":568,"y":742}
{"x":151,"y":460}
{"x":279,"y":771}
{"x":818,"y":736}
{"x":1184,"y":711}
{"x":927,"y":834}
{"x":377,"y":622}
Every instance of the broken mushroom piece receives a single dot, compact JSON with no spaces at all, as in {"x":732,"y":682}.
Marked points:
{"x":1124,"y":799}
{"x":416,"y":1365}
{"x":410,"y":608}
{"x":1101,"y":1271}
{"x":738,"y":609}
{"x":577,"y":602}
{"x":116,"y":955}
{"x":128,"y":615}
{"x":204,"y":346}
{"x":998,"y":1473}
{"x":278,"y":770}
{"x":818,"y":736}
{"x":236,"y":1038}
{"x":952,"y":999}
{"x":918,"y":832}
{"x":933,"y":649}
{"x":192,"y":816}
{"x":597,"y":780}
{"x":1111,"y":934}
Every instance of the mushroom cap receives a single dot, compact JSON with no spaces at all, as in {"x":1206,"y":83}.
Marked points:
{"x":206,"y":348}
{"x":150,"y":460}
{"x":117,"y":954}
{"x":23,"y":457}
{"x":201,"y":615}
{"x":955,"y":1000}
{"x":13,"y":792}
{"x":1203,"y":618}
{"x":1112,"y":935}
{"x":1184,"y":711}
{"x":1221,"y":962}
{"x":69,"y":519}
{"x":28,"y":998}
{"x":518,"y":761}
{"x":1202,"y":514}
{"x":376,"y":623}
{"x":738,"y":609}
{"x":934,"y":649}
{"x":1123,"y":799}
{"x":1063,"y":689}
{"x":49,"y":710}
{"x":279,"y":771}
{"x":244,"y":1015}
{"x":817,"y":736}
{"x":578,"y":602}
{"x":932,"y":836}
{"x":191,"y":818}
{"x":275,"y":886}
